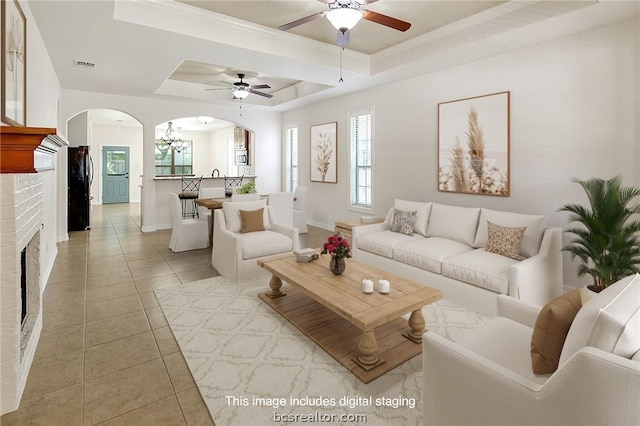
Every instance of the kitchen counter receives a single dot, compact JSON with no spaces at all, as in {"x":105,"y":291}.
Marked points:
{"x":203,"y":177}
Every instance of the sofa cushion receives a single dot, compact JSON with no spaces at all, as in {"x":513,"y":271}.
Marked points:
{"x":423,"y":210}
{"x":504,"y":241}
{"x":232,"y":217}
{"x":480,"y":268}
{"x":532,"y":235}
{"x":453,"y":222}
{"x":264,"y":243}
{"x":252,"y":220}
{"x":403,"y":221}
{"x":428,"y":253}
{"x":550,"y":331}
{"x":383,"y":242}
{"x":609,"y":321}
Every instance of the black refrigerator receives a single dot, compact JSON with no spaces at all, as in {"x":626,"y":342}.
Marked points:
{"x":80,"y":176}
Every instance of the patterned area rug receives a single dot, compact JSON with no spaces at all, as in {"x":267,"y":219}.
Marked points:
{"x":252,"y":367}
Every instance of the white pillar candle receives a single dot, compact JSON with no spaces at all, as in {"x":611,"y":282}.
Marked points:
{"x":367,"y":286}
{"x":384,"y":286}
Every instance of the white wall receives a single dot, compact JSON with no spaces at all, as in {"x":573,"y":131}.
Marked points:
{"x":574,"y":113}
{"x":78,"y":130}
{"x":131,"y":137}
{"x":150,"y":112}
{"x":43,"y":94}
{"x":220,"y":150}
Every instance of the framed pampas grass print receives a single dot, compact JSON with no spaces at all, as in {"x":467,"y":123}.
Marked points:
{"x":473,"y":145}
{"x":324,"y":153}
{"x":14,"y":64}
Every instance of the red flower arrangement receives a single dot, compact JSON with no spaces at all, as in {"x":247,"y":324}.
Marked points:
{"x":336,"y":246}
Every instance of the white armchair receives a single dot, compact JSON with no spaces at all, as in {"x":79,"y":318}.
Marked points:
{"x":189,"y":233}
{"x":235,"y":253}
{"x":486,"y":377}
{"x":300,"y":209}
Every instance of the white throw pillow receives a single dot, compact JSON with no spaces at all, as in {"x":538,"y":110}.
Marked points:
{"x":232,"y":216}
{"x":609,"y":321}
{"x":453,"y":222}
{"x":423,"y":210}
{"x":532,"y":237}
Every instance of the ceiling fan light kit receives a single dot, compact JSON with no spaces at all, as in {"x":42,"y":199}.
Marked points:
{"x":344,"y":18}
{"x":240,"y":93}
{"x":345,"y":14}
{"x":241,"y":90}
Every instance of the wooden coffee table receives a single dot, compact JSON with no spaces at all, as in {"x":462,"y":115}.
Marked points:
{"x":333,"y":312}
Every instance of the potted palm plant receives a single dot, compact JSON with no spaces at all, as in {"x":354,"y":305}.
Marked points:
{"x":606,"y":238}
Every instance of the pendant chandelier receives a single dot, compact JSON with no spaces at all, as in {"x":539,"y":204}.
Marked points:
{"x":174,"y":138}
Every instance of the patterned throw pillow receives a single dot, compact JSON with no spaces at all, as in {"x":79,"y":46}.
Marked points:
{"x":504,"y":240}
{"x":403,"y":222}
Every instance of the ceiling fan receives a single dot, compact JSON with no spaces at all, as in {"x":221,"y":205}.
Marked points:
{"x":345,"y":14}
{"x":241,"y":89}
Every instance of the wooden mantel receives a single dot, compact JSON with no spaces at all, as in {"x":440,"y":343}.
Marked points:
{"x":28,"y":149}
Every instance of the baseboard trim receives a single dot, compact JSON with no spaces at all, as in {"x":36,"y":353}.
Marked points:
{"x":321,"y":225}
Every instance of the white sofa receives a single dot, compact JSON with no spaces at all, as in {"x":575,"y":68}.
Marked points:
{"x":486,"y":376}
{"x":446,"y":252}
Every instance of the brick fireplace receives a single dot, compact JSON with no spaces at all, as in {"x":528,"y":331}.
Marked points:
{"x":23,"y":153}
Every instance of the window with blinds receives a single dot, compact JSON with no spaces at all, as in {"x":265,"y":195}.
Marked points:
{"x":291,"y":158}
{"x":171,"y":162}
{"x":361,"y":164}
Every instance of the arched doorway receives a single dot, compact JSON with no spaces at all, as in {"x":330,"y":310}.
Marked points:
{"x":114,"y":140}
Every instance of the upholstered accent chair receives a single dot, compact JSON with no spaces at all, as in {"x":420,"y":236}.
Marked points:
{"x":486,"y":377}
{"x":241,"y":235}
{"x":282,"y":204}
{"x":186,"y":233}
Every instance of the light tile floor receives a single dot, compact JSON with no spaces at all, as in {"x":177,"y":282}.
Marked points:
{"x":106,"y":354}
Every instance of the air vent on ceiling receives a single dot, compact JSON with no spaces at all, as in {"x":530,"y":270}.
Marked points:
{"x":83,"y":64}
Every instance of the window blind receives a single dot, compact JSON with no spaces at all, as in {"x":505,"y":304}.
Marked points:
{"x":361,"y":148}
{"x":291,"y":158}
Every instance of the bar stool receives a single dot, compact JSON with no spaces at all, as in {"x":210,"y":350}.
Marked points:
{"x":189,"y":194}
{"x":232,"y":183}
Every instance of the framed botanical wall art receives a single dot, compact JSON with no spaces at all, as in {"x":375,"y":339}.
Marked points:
{"x":324,"y":153}
{"x":14,"y":64}
{"x":473,"y":145}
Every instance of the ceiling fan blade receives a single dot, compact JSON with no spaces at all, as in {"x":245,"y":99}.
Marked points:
{"x":301,"y":21}
{"x":385,"y":20}
{"x":220,"y":88}
{"x":261,"y":86}
{"x":255,"y":92}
